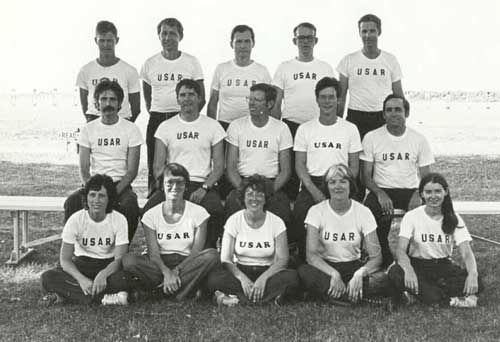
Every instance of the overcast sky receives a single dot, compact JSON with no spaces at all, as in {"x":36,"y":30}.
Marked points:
{"x":441,"y":45}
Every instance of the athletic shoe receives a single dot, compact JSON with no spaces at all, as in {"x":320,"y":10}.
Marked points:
{"x":51,"y":298}
{"x":119,"y":298}
{"x":222,"y":299}
{"x":464,"y":302}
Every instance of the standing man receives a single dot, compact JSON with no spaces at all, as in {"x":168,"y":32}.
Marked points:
{"x":369,"y":75}
{"x":108,"y":67}
{"x":319,"y":144}
{"x":160,"y":75}
{"x":295,"y":80}
{"x":196,"y":142}
{"x":110,"y":146}
{"x":232,"y":80}
{"x":259,"y":144}
{"x":394,"y":159}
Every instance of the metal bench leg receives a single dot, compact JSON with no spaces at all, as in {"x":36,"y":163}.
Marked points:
{"x":16,"y":250}
{"x":20,"y":249}
{"x":24,"y":231}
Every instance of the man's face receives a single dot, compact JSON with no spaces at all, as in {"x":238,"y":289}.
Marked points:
{"x":305,"y":39}
{"x":188,"y":100}
{"x":257,"y":103}
{"x":369,"y":33}
{"x":106,"y":42}
{"x":169,"y":37}
{"x":394,"y":113}
{"x":327,"y":101}
{"x":242,"y":44}
{"x":108,"y":103}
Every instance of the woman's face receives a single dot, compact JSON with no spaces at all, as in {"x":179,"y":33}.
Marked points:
{"x":97,"y":201}
{"x":254,"y":199}
{"x":338,"y":187}
{"x":174,"y":186}
{"x":433,"y":194}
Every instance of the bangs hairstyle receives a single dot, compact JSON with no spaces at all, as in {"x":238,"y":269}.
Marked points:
{"x":171,"y":22}
{"x":346,"y":173}
{"x":269,"y":91}
{"x":327,"y":82}
{"x":190,"y":84}
{"x":450,"y":220}
{"x":106,"y":84}
{"x":104,"y":27}
{"x":374,"y":19}
{"x":95,"y":183}
{"x":256,"y":183}
{"x":177,"y":170}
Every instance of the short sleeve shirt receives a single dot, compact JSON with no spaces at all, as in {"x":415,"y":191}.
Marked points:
{"x":254,"y":247}
{"x":340,"y":236}
{"x":259,"y":147}
{"x":326,"y":145}
{"x":427,"y":239}
{"x":96,"y":240}
{"x":176,"y":237}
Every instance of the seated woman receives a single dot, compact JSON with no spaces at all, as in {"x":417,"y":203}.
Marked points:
{"x":256,"y":239}
{"x":175,"y":232}
{"x":425,"y":268}
{"x":94,"y":240}
{"x":337,"y":228}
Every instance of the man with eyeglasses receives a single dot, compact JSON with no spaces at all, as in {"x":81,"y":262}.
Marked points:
{"x":160,"y":75}
{"x":320,"y":143}
{"x":259,"y":144}
{"x":295,"y":80}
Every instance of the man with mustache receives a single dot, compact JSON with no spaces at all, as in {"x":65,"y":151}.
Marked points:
{"x":109,"y":66}
{"x":110,"y":146}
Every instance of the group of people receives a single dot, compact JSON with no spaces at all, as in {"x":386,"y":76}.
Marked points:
{"x":262,"y":145}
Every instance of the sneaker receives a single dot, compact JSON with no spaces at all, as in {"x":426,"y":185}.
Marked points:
{"x":119,"y":298}
{"x":51,"y":298}
{"x":464,"y":302}
{"x":279,"y":300}
{"x":222,"y":299}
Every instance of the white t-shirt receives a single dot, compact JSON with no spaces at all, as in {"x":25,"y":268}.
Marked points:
{"x":427,"y":239}
{"x":298,"y":80}
{"x":163,"y":75}
{"x":396,"y":159}
{"x":259,"y":147}
{"x":340,"y":236}
{"x":326,"y":145}
{"x":109,"y":146}
{"x":370,"y":80}
{"x":254,"y":246}
{"x":190,"y":143}
{"x":233,"y":83}
{"x":95,"y":239}
{"x":122,"y":72}
{"x":175,"y":237}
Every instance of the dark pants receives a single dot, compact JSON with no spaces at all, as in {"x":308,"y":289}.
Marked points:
{"x":57,"y":281}
{"x":438,"y":280}
{"x":292,"y":186}
{"x":126,"y":204}
{"x":302,"y":205}
{"x":139,"y":272}
{"x":318,"y":282}
{"x":211,"y":202}
{"x":284,"y":283}
{"x":224,"y":185}
{"x":155,"y":119}
{"x":400,"y":200}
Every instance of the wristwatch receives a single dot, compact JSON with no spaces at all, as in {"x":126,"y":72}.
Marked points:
{"x":205,"y":187}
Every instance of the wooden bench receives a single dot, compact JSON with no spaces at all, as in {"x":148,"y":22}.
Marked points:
{"x":20,"y":206}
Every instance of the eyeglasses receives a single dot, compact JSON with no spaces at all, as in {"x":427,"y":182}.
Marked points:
{"x":254,"y":99}
{"x":306,"y":38}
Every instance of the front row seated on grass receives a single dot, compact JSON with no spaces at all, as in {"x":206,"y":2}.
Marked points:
{"x":95,"y":245}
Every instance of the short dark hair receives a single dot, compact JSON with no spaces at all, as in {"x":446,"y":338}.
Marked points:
{"x":306,"y":25}
{"x":256,"y":183}
{"x":406,"y":104}
{"x":372,"y":18}
{"x":95,"y":183}
{"x":171,"y":22}
{"x":346,"y":173}
{"x":190,"y":84}
{"x":327,"y":82}
{"x":176,"y":169}
{"x":241,"y":29}
{"x":268,"y":90}
{"x":106,"y":84}
{"x":105,"y":26}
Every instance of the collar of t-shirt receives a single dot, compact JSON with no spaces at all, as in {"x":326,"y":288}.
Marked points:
{"x":194,"y":122}
{"x":396,"y":138}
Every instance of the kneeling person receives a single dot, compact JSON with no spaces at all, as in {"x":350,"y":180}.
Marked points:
{"x":259,"y":144}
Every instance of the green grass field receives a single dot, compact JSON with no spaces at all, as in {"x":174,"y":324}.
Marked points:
{"x":23,"y":319}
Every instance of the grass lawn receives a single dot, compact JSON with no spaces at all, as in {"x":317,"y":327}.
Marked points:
{"x":23,"y":319}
